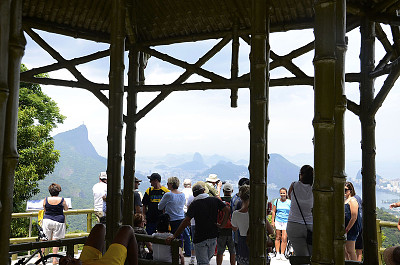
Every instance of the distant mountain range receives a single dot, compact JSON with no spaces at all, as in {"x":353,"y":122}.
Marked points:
{"x":80,"y":165}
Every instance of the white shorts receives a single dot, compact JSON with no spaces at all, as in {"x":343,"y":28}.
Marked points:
{"x":53,"y":230}
{"x":280,"y":225}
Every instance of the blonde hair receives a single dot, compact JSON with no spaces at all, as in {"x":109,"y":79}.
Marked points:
{"x":244,"y":192}
{"x":174,"y":181}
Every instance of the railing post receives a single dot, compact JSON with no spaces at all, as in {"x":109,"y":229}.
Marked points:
{"x":89,"y":222}
{"x":30,"y":230}
{"x":379,"y":239}
{"x":70,"y":250}
{"x":175,"y":252}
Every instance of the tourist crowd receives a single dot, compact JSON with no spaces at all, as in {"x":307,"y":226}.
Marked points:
{"x":210,"y":221}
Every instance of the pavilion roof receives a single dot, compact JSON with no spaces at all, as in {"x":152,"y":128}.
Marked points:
{"x":155,"y":22}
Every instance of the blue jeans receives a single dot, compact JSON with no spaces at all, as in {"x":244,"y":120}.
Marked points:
{"x":205,"y":251}
{"x":192,"y":229}
{"x":186,"y":242}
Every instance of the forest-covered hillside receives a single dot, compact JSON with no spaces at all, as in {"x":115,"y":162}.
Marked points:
{"x":391,"y":236}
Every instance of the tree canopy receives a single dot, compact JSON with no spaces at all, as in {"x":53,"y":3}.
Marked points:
{"x":38,"y":115}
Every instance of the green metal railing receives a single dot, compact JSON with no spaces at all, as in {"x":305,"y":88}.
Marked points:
{"x":32,"y":215}
{"x":73,"y":239}
{"x":379,"y":225}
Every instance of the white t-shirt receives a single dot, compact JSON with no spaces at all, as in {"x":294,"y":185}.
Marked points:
{"x":162,"y":252}
{"x":241,"y":221}
{"x":99,"y":190}
{"x":188,"y":194}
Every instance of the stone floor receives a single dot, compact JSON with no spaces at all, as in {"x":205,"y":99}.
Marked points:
{"x":226,"y":261}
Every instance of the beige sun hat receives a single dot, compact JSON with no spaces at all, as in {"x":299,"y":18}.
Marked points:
{"x":391,"y":256}
{"x":212,"y":178}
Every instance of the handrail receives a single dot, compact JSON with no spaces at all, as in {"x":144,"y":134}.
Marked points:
{"x":72,"y":239}
{"x":379,"y":225}
{"x":69,"y":242}
{"x":175,"y":244}
{"x":27,"y":243}
{"x":31,"y":215}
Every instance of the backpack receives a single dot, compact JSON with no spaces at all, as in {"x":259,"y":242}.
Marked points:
{"x":221,"y":216}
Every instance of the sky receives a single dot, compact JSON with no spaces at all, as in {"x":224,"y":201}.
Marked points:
{"x":203,"y":121}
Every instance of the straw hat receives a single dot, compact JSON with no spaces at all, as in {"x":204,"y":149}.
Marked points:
{"x":391,"y":255}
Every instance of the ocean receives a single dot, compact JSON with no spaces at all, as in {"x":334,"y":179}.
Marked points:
{"x":383,"y":197}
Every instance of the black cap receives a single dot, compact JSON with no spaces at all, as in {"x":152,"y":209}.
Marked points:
{"x":243,"y":181}
{"x":155,"y":176}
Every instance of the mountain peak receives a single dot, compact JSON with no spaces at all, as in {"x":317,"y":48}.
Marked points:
{"x":76,"y":140}
{"x":198,"y":158}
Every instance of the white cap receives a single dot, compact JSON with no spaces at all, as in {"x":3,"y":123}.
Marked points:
{"x":103,"y":175}
{"x":228,"y":187}
{"x":187,"y":182}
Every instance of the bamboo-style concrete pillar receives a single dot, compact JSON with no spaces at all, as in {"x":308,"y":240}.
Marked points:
{"x":130,"y":138}
{"x":115,"y":121}
{"x":12,"y":46}
{"x":259,"y":61}
{"x":367,"y":119}
{"x":324,"y":128}
{"x":235,"y":62}
{"x":339,"y":175}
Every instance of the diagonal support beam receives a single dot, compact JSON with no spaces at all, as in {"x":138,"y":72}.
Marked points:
{"x":396,"y":38}
{"x":382,"y":37}
{"x":286,"y":60}
{"x":385,"y":69}
{"x":353,"y":107}
{"x":190,"y":69}
{"x":72,"y":62}
{"x":286,"y":63}
{"x":386,"y":87}
{"x":383,"y":62}
{"x":61,"y":60}
{"x":193,"y":68}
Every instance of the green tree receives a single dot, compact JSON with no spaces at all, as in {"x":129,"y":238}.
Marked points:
{"x":38,"y":114}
